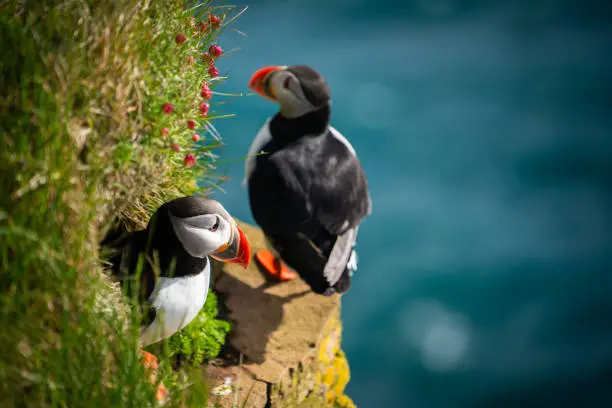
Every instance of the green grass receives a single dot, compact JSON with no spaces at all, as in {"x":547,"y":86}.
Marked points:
{"x":203,"y":338}
{"x":82,"y":84}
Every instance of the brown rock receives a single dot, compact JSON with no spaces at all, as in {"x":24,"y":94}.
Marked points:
{"x":278,"y":332}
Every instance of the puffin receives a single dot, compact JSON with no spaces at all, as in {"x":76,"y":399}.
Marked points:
{"x":166,"y":266}
{"x":306,"y":187}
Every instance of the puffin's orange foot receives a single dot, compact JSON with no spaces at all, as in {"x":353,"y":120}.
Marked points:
{"x":151,"y":362}
{"x":161,"y":394}
{"x":274,"y":266}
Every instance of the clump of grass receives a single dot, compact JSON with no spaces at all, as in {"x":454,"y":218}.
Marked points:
{"x":82,"y":89}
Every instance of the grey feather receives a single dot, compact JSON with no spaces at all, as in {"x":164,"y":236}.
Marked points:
{"x":339,"y":256}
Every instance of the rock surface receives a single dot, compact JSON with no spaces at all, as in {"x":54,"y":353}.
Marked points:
{"x":287,"y":337}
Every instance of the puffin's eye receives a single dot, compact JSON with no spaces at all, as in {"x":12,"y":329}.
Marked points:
{"x":216,"y":226}
{"x":286,"y":82}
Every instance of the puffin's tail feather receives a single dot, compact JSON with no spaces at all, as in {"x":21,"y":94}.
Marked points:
{"x":344,"y":283}
{"x":340,"y":256}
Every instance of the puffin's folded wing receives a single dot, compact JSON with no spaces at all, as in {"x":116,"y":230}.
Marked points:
{"x":339,"y":189}
{"x":279,"y":200}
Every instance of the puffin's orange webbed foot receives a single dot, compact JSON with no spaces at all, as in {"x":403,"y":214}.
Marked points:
{"x":151,"y":362}
{"x":274,"y":266}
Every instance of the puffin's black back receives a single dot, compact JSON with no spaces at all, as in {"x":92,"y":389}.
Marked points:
{"x":306,"y":190}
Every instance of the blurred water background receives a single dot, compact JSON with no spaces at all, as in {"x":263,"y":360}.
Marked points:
{"x":485,"y":129}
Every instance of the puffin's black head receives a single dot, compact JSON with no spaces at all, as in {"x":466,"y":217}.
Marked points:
{"x":203,"y":227}
{"x":298,"y":89}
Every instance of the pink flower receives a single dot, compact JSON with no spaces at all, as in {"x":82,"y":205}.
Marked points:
{"x":206,"y":93}
{"x":180,"y":39}
{"x":176,"y":147}
{"x":215,"y":50}
{"x":165,"y":131}
{"x":195,"y":137}
{"x":168,"y":108}
{"x":189,"y":160}
{"x":204,"y":107}
{"x":213,"y":71}
{"x":214,"y":20}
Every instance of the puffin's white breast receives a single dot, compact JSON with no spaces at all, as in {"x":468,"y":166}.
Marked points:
{"x":262,"y":137}
{"x":340,"y":137}
{"x":177,"y":302}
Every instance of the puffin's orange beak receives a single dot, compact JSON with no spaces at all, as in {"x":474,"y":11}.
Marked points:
{"x":237,"y":251}
{"x":259,"y":82}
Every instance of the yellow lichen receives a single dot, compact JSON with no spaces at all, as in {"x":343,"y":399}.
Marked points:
{"x":334,"y":371}
{"x":321,"y":381}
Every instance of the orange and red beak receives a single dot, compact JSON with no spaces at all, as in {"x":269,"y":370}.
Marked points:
{"x":237,"y":250}
{"x":260,"y":81}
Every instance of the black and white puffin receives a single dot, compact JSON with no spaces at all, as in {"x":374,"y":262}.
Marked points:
{"x":181,"y":235}
{"x":307,"y":189}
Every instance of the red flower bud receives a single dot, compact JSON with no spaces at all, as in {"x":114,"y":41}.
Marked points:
{"x":168,"y":108}
{"x":180,"y":39}
{"x":214,"y":20}
{"x":215,"y":50}
{"x":191,"y":124}
{"x":189,"y":160}
{"x":176,"y":147}
{"x":206,"y":93}
{"x":195,"y":137}
{"x":204,"y":107}
{"x":213,"y":71}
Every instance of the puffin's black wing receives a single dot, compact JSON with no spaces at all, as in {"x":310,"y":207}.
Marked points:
{"x":316,"y":182}
{"x":304,"y":196}
{"x":339,"y":190}
{"x":124,"y":263}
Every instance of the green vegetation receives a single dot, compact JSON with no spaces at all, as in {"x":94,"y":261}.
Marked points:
{"x":203,"y":338}
{"x":86,"y":140}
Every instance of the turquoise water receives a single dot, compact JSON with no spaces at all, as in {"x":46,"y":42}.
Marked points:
{"x":485,"y":130}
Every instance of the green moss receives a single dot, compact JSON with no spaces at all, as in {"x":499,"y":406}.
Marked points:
{"x":203,"y":338}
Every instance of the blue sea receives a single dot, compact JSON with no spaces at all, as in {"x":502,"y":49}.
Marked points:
{"x":485,"y":129}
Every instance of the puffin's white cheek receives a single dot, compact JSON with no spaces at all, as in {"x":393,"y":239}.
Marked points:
{"x":293,"y":102}
{"x":196,"y":241}
{"x":225,"y":234}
